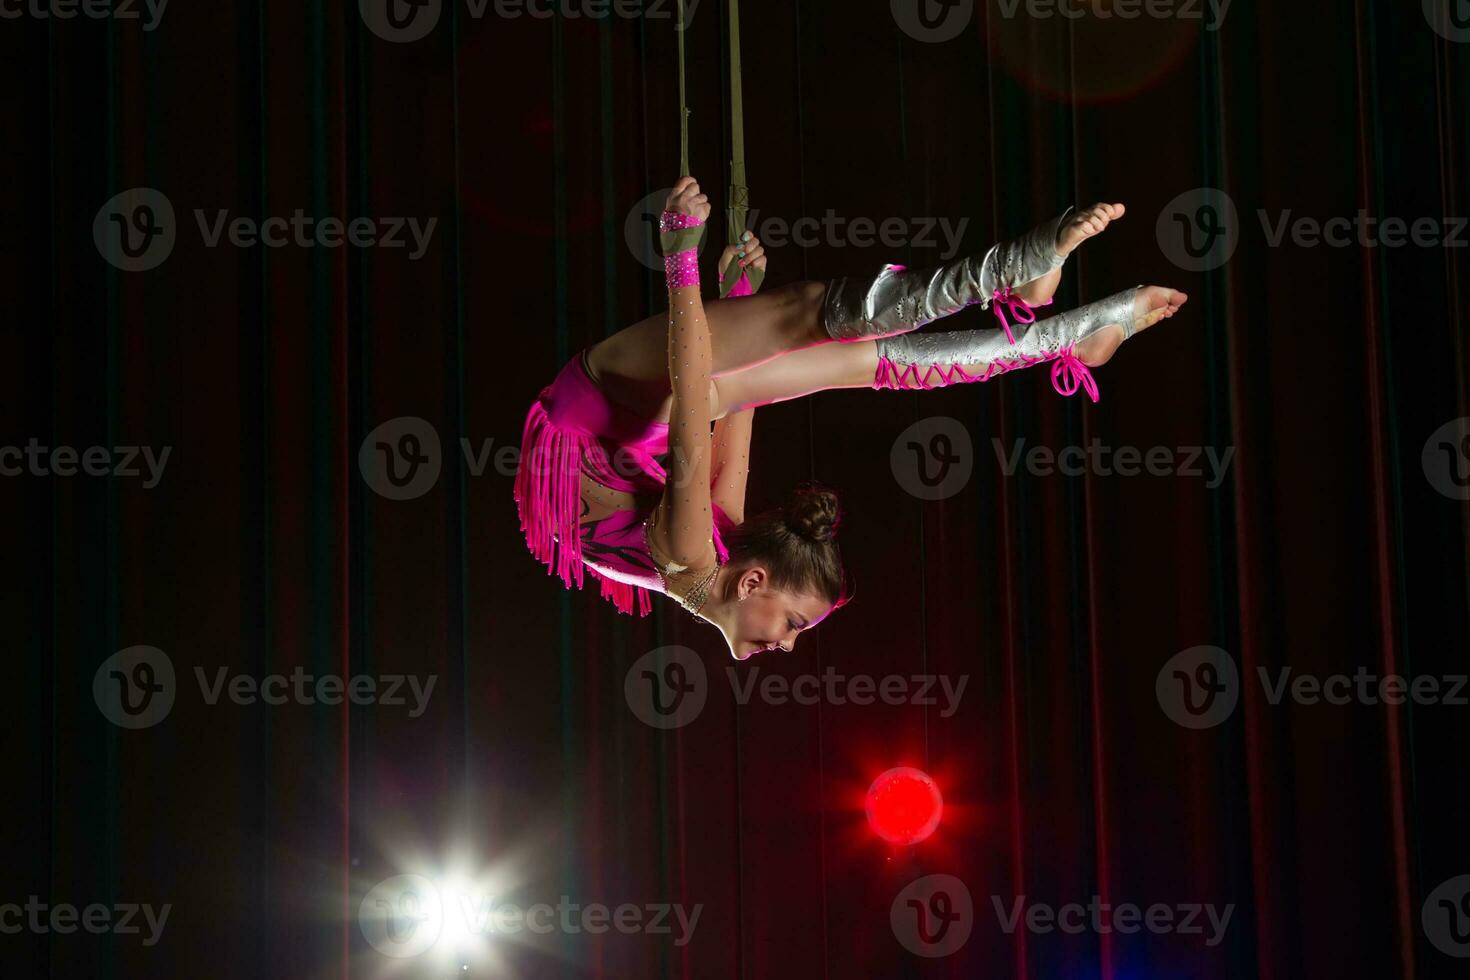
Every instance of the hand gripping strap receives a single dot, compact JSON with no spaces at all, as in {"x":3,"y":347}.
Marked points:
{"x":679,"y":232}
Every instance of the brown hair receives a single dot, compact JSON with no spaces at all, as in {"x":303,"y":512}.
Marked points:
{"x":797,"y":543}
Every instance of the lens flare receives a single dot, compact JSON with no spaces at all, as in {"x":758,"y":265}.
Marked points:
{"x":904,"y":805}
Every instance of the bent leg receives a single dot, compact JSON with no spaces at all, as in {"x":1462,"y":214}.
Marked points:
{"x":632,"y":368}
{"x":798,"y":373}
{"x":744,"y":331}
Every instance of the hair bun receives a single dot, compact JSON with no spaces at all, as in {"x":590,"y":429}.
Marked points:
{"x":813,"y":512}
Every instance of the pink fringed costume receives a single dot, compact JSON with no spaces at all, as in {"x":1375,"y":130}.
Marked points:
{"x":573,"y":428}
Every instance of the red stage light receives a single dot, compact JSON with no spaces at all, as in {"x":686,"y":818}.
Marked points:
{"x":904,"y":805}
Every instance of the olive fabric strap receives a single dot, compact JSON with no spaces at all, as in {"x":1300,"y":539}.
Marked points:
{"x":737,"y":281}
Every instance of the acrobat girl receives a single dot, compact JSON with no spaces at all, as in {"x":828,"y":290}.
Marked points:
{"x":593,"y":497}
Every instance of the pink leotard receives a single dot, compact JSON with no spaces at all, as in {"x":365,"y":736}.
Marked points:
{"x":572,"y":428}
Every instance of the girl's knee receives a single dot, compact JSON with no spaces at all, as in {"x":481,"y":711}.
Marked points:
{"x":808,"y":299}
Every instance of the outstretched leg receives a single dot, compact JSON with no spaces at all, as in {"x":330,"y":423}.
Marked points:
{"x":1090,"y":337}
{"x":631,"y":366}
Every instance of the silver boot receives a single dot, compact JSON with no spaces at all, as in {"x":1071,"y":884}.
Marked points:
{"x":936,"y":360}
{"x":900,"y":300}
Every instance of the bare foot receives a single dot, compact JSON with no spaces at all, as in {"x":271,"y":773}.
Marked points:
{"x":1150,"y":305}
{"x":1078,"y":228}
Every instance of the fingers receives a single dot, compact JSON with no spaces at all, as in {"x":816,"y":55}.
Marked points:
{"x":686,"y":198}
{"x":749,"y":253}
{"x":752,"y":252}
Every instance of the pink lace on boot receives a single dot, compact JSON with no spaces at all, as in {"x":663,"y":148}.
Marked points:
{"x":1068,"y":373}
{"x":1020,"y":309}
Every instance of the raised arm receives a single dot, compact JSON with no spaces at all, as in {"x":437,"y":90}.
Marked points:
{"x":682,"y":525}
{"x":731,"y":465}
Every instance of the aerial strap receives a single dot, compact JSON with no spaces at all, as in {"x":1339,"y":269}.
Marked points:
{"x":738,"y":208}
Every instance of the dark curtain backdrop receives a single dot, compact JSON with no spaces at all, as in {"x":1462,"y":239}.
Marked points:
{"x":262,"y":549}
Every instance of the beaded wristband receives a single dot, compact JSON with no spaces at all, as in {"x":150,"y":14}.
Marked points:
{"x":680,"y":234}
{"x":682,"y":269}
{"x":675,"y":220}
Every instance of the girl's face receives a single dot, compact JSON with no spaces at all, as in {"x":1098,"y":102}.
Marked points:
{"x":771,"y":620}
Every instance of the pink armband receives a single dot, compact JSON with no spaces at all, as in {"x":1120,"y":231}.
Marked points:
{"x":675,"y":221}
{"x":682,"y":268}
{"x":680,"y":235}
